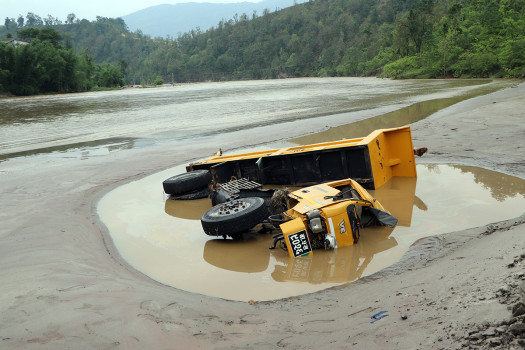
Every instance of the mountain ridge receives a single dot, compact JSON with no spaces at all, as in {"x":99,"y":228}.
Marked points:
{"x":174,"y":19}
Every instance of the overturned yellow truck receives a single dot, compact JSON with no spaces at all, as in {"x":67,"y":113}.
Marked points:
{"x":371,"y":161}
{"x":328,"y":216}
{"x":329,"y":213}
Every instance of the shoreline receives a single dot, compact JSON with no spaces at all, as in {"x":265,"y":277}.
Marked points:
{"x":60,"y":286}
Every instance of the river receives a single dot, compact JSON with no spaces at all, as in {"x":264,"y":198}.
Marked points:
{"x":141,"y":117}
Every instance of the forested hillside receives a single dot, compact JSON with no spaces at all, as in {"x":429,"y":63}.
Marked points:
{"x":47,"y":66}
{"x":390,"y":38}
{"x":172,"y":19}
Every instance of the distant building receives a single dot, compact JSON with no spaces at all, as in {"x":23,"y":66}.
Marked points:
{"x":14,"y":42}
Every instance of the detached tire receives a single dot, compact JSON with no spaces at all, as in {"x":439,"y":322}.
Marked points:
{"x":232,"y":218}
{"x":187,"y":182}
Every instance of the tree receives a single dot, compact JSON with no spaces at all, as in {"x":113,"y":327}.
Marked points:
{"x":158,"y":80}
{"x":51,"y":35}
{"x":33,"y":20}
{"x":48,"y":22}
{"x":84,"y":72}
{"x":7,"y":62}
{"x":512,"y":57}
{"x":408,"y":38}
{"x":419,"y":23}
{"x":109,"y":76}
{"x":24,"y":78}
{"x":49,"y":71}
{"x":71,"y":18}
{"x":28,"y":33}
{"x":123,"y":65}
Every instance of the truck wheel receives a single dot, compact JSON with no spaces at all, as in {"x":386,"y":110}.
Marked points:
{"x":193,"y":195}
{"x":187,"y":182}
{"x":232,"y":218}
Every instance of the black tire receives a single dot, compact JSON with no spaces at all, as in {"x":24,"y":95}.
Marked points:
{"x":187,"y":182}
{"x":193,"y":195}
{"x":234,"y":217}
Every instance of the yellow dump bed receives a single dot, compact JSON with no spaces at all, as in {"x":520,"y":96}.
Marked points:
{"x":371,"y":161}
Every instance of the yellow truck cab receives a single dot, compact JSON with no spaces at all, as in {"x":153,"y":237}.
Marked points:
{"x":329,"y":216}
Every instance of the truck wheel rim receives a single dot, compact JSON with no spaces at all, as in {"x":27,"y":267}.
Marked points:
{"x":233,"y":207}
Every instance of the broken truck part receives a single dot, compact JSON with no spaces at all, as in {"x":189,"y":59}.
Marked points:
{"x":371,"y":161}
{"x":323,"y":216}
{"x":328,"y":216}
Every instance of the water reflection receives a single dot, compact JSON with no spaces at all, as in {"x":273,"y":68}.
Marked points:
{"x":251,"y":253}
{"x":82,"y":150}
{"x":501,"y":186}
{"x":399,"y":196}
{"x":335,"y":266}
{"x":189,"y":210}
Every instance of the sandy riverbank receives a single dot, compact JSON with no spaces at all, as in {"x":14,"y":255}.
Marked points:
{"x":63,"y":285}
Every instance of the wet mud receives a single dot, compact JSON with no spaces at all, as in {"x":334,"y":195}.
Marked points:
{"x":163,"y":238}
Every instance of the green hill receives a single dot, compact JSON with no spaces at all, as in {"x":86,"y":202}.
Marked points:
{"x":390,"y":38}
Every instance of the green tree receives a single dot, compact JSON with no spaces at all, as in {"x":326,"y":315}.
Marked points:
{"x":512,"y":57}
{"x":28,"y":33}
{"x":71,"y":18}
{"x":158,"y":80}
{"x":33,"y":20}
{"x":24,"y":78}
{"x":419,"y":23}
{"x":109,"y":76}
{"x":400,"y":38}
{"x":7,"y":62}
{"x":85,"y":72}
{"x":50,"y":35}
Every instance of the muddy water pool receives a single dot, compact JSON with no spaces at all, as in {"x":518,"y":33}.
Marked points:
{"x":163,"y":238}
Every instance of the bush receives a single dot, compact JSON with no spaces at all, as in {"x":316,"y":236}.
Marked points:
{"x":512,"y":58}
{"x":478,"y":64}
{"x":158,"y":81}
{"x":403,"y":67}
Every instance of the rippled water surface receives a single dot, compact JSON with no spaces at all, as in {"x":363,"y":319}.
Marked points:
{"x":180,"y":112}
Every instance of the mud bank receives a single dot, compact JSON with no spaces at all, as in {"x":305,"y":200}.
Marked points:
{"x":63,"y":284}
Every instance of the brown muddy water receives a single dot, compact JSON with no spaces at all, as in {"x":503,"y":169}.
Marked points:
{"x":80,"y":125}
{"x":163,"y":238}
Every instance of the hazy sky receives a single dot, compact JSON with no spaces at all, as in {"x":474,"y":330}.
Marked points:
{"x":87,"y":9}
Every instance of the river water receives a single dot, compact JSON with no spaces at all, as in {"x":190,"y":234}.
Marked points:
{"x":138,"y":117}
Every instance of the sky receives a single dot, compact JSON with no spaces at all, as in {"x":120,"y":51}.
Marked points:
{"x":88,"y":9}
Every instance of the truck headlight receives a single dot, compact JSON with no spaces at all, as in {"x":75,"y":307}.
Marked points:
{"x":314,"y":217}
{"x":316,"y":226}
{"x":329,"y":242}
